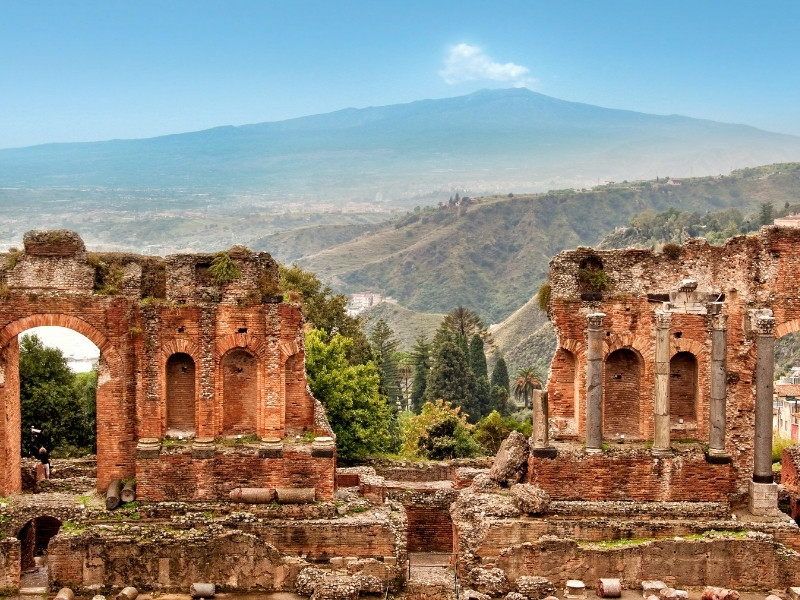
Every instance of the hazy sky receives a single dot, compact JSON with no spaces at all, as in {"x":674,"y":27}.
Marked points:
{"x":96,"y":70}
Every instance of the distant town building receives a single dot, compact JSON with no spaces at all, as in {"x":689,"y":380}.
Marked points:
{"x":788,"y":221}
{"x":786,"y":414}
{"x":362,"y":301}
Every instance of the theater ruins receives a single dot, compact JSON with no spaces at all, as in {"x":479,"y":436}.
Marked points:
{"x":650,"y":459}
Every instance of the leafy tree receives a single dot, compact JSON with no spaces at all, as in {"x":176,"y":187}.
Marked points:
{"x":384,"y":351}
{"x":452,"y":380}
{"x":439,"y":432}
{"x":326,"y":310}
{"x":359,"y":415}
{"x":420,"y":359}
{"x":500,"y":375}
{"x":490,"y":431}
{"x":527,"y":380}
{"x":49,"y":401}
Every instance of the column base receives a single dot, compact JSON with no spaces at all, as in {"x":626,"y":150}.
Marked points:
{"x":763,"y":499}
{"x":548,"y":452}
{"x":594,"y":450}
{"x":662,"y":452}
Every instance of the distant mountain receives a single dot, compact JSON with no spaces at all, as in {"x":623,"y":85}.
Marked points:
{"x":492,"y":141}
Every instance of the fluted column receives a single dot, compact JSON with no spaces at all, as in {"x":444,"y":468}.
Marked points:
{"x":661,"y":441}
{"x":719,"y":376}
{"x":594,"y":382}
{"x":765,"y":366}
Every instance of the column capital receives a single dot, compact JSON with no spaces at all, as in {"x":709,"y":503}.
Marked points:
{"x":765,"y":325}
{"x":595,"y":320}
{"x":719,"y":322}
{"x":663,"y":319}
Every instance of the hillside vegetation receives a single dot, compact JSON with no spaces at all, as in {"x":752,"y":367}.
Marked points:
{"x":491,"y":254}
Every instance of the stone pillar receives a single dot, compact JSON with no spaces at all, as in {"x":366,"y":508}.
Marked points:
{"x":661,"y":441}
{"x":763,"y":492}
{"x":719,"y":375}
{"x":765,"y":365}
{"x":541,"y":447}
{"x":594,"y":383}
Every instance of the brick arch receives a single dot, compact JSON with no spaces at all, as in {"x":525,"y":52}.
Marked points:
{"x":180,"y":346}
{"x":694,"y":347}
{"x":107,"y":350}
{"x":245,"y":341}
{"x":783,"y":329}
{"x":640,"y":345}
{"x":287,"y":349}
{"x":577,"y":347}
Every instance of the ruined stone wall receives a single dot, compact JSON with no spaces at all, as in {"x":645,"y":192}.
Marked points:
{"x":731,"y":563}
{"x":180,"y":472}
{"x":181,"y":352}
{"x":9,"y":564}
{"x":748,"y":272}
{"x":632,"y":475}
{"x":253,"y":557}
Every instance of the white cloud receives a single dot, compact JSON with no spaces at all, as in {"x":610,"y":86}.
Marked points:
{"x":469,"y":63}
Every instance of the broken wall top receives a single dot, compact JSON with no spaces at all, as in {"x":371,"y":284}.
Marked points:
{"x":57,"y":262}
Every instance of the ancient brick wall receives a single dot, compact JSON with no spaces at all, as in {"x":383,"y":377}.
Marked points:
{"x":430,"y":528}
{"x":729,"y":563}
{"x":179,"y":352}
{"x":632,"y":475}
{"x":748,"y":272}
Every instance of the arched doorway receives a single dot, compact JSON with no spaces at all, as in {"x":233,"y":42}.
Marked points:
{"x":34,"y":537}
{"x":621,"y":383}
{"x":240,"y":392}
{"x":683,"y":391}
{"x":180,"y":395}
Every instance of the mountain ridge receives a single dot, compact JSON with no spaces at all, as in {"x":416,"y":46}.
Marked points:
{"x":491,"y":141}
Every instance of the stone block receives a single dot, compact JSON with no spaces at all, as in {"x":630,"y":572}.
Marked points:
{"x":575,"y":588}
{"x":763,"y":498}
{"x":652,"y":588}
{"x":794,"y":593}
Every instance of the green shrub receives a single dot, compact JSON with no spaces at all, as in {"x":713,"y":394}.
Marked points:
{"x":223,"y":268}
{"x":779,"y":444}
{"x":543,"y":296}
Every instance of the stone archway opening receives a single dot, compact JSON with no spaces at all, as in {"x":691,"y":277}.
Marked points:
{"x":622,"y":379}
{"x":34,"y":538}
{"x":58,"y":377}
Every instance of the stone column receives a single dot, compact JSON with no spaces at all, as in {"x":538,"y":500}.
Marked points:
{"x":594,"y":383}
{"x":719,"y":375}
{"x":763,"y":492}
{"x":661,"y":441}
{"x":540,"y":439}
{"x":765,"y":365}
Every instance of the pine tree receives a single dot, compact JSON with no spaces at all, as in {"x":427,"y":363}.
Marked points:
{"x":452,"y":380}
{"x":477,"y":357}
{"x":384,"y":351}
{"x":500,"y":375}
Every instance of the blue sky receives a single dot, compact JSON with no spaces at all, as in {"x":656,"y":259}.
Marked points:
{"x":96,"y":70}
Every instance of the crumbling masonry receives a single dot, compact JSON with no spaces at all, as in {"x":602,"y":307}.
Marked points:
{"x":188,"y":359}
{"x":669,"y":346}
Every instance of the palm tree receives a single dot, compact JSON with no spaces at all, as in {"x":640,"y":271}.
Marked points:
{"x":526,"y":380}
